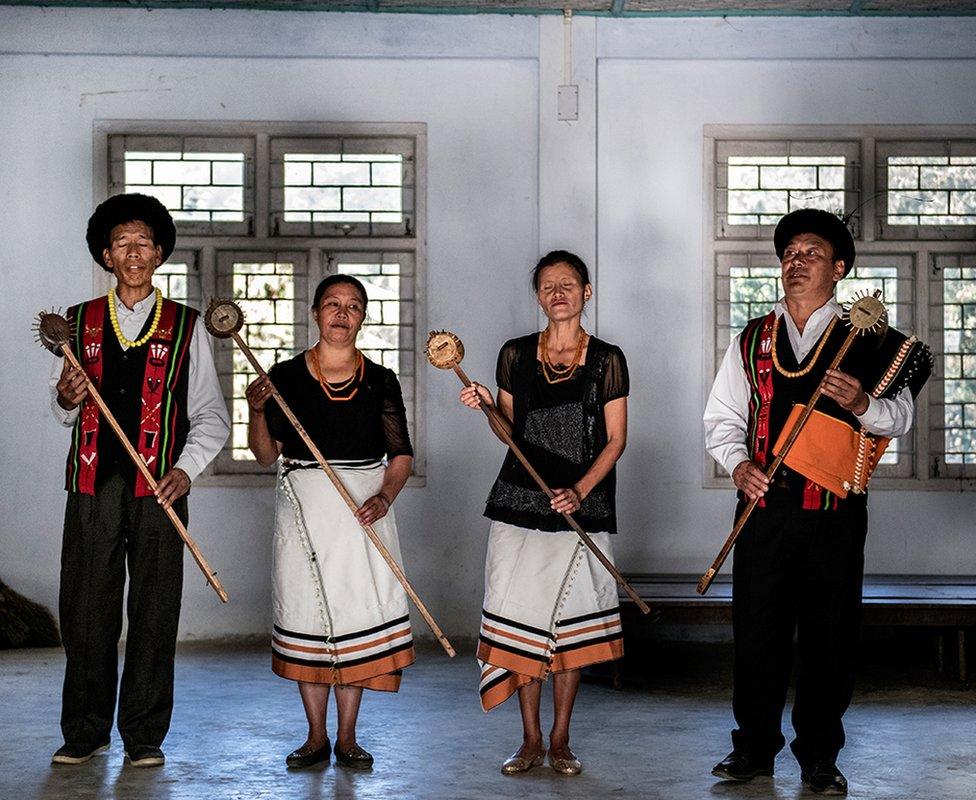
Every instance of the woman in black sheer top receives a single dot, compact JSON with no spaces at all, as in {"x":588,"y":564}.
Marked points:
{"x":550,"y":607}
{"x":340,"y":616}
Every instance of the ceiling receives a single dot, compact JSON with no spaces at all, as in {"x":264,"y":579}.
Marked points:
{"x":610,"y":8}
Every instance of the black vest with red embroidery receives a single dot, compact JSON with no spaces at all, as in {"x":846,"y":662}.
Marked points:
{"x":774,"y":393}
{"x":144,"y":387}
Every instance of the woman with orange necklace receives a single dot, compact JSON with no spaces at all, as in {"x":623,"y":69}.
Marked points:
{"x":550,"y":606}
{"x":340,"y":616}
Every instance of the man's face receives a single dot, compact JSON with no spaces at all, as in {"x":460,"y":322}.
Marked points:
{"x":132,"y":254}
{"x":809,"y":270}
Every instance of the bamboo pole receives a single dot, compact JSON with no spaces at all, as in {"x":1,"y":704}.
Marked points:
{"x":207,"y":570}
{"x":858,"y":326}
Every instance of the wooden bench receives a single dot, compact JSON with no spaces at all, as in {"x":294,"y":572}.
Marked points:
{"x":944,"y":602}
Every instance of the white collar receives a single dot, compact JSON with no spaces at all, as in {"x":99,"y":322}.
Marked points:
{"x":831,"y":306}
{"x":142,"y":307}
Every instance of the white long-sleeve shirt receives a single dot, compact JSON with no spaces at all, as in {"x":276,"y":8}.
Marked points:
{"x":727,"y":410}
{"x":205,"y":406}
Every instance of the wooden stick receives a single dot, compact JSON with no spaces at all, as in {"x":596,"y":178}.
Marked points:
{"x":344,"y":493}
{"x":207,"y":570}
{"x":502,"y":428}
{"x":706,"y":580}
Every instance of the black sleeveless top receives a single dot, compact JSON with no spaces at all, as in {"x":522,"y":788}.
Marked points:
{"x":561,"y":429}
{"x":367,"y":427}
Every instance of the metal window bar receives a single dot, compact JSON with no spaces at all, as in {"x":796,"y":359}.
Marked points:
{"x":388,"y":335}
{"x":343,"y":186}
{"x":758,"y":181}
{"x":928,"y":189}
{"x":271,"y":289}
{"x":179,"y":279}
{"x":953,"y":395}
{"x":207,"y":183}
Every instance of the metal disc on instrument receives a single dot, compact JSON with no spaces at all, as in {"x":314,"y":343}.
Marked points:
{"x":867,"y":313}
{"x":223,"y":318}
{"x":53,"y":331}
{"x":444,"y":349}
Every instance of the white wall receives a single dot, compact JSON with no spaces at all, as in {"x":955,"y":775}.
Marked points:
{"x":632,"y":164}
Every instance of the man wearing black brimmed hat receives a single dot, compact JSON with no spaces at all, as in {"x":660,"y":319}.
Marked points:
{"x":150,"y":358}
{"x":799,"y":560}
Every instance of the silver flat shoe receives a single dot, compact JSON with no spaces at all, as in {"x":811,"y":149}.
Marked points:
{"x":516,"y":764}
{"x":565,"y":766}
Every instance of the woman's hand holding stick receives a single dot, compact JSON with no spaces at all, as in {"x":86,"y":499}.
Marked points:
{"x":224,"y":320}
{"x":445,"y":351}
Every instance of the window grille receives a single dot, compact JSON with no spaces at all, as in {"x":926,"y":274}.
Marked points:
{"x":920,"y":192}
{"x":757,"y":182}
{"x":264,"y":211}
{"x":341,"y":186}
{"x":205,"y":182}
{"x":928,"y":189}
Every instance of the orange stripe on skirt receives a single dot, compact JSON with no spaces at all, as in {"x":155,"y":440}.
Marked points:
{"x":502,"y":690}
{"x":590,"y":654}
{"x":511,"y":661}
{"x":375,"y":674}
{"x":524,"y":640}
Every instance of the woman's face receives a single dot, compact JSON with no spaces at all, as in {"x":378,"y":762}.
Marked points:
{"x":561,"y":294}
{"x":340,"y":314}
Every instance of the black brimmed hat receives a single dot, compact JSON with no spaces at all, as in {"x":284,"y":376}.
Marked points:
{"x":122,"y":208}
{"x":820,"y":223}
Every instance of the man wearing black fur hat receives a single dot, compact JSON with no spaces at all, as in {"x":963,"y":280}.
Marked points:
{"x":150,"y":358}
{"x":799,"y":560}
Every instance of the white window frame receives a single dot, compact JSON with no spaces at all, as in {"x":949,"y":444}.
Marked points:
{"x":194,"y":238}
{"x":871,"y":240}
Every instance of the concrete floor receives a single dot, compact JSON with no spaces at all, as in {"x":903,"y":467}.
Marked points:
{"x":235,"y":721}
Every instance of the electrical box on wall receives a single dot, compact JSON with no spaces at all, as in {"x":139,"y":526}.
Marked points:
{"x":567,"y":103}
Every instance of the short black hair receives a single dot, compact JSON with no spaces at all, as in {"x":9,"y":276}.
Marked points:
{"x":332,"y":280}
{"x":561,"y":257}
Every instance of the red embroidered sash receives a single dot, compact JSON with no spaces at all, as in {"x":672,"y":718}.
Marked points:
{"x":756,"y":345}
{"x":155,"y":440}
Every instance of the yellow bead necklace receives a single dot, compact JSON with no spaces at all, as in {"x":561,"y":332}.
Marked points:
{"x":801,"y":372}
{"x":113,"y":315}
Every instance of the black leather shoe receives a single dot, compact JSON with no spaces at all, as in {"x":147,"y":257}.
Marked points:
{"x":356,"y":758}
{"x":824,"y":778}
{"x":740,"y":766}
{"x":305,"y":756}
{"x":77,"y":753}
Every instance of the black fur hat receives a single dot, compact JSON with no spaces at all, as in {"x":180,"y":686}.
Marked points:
{"x":122,"y":208}
{"x":820,"y":223}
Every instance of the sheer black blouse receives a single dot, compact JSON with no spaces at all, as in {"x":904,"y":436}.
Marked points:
{"x":367,"y":427}
{"x":561,"y":429}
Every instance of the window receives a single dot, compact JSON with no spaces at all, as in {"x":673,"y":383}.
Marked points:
{"x":913,"y":215}
{"x":263,"y":212}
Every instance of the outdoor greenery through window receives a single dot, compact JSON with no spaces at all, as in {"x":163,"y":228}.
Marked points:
{"x":914,"y":220}
{"x":264,"y":211}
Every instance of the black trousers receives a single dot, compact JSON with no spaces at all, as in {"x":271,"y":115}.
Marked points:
{"x":796,"y":571}
{"x":103,"y":533}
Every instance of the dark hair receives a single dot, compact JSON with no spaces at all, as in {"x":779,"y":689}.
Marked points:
{"x":561,"y":257}
{"x":122,"y":208}
{"x":332,"y":280}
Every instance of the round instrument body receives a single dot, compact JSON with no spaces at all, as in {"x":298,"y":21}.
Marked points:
{"x":444,"y":349}
{"x":867,"y":313}
{"x":53,"y":331}
{"x":224,"y":318}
